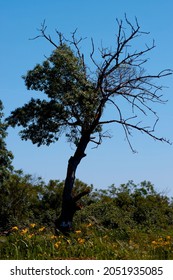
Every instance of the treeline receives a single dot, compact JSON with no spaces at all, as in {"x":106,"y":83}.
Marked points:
{"x":25,"y":200}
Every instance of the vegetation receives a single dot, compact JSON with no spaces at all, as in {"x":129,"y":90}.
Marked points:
{"x":127,"y":222}
{"x":5,"y":155}
{"x":77,"y":98}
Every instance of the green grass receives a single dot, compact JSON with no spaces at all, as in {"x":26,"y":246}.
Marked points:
{"x":88,"y":242}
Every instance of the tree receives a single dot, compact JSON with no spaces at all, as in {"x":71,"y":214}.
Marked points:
{"x":5,"y":163}
{"x":19,"y":198}
{"x":5,"y":155}
{"x":77,"y":97}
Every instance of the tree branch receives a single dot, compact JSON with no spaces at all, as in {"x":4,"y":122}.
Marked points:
{"x":80,"y":195}
{"x":126,"y":125}
{"x":47,"y":37}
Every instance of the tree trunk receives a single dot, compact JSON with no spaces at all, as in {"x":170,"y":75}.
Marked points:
{"x":69,"y":203}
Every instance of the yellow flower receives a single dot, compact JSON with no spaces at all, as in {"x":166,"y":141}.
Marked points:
{"x":69,"y":241}
{"x":56,"y":245}
{"x":89,"y":225}
{"x":160,"y":239}
{"x":24,"y":231}
{"x":78,"y":231}
{"x":32,"y":225}
{"x":30,"y":235}
{"x":53,"y":237}
{"x":168,"y":237}
{"x":15,"y":228}
{"x":81,"y":240}
{"x":41,"y":229}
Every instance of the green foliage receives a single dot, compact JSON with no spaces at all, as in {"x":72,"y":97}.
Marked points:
{"x":71,"y":101}
{"x":88,"y":242}
{"x":127,"y":222}
{"x":5,"y":169}
{"x":5,"y":155}
{"x":25,"y":199}
{"x":28,"y":199}
{"x":76,"y":96}
{"x":129,"y":206}
{"x":19,"y":200}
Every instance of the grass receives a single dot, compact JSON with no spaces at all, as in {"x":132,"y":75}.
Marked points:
{"x":89,"y":242}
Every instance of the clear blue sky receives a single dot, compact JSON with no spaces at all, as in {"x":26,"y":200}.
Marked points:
{"x":113,"y":161}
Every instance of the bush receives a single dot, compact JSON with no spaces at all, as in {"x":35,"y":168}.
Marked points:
{"x":25,"y":199}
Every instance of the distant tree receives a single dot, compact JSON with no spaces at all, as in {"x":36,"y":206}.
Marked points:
{"x":5,"y":155}
{"x":5,"y":163}
{"x":78,"y":97}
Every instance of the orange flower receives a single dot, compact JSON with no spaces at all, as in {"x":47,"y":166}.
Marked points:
{"x":41,"y":229}
{"x":53,"y":237}
{"x":15,"y":228}
{"x":32,"y":225}
{"x":24,"y":231}
{"x":89,"y":225}
{"x":81,"y":240}
{"x":57,"y":244}
{"x":30,"y":235}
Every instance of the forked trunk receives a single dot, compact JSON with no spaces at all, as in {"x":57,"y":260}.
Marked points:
{"x":69,"y":203}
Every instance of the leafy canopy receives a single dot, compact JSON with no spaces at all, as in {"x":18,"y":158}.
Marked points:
{"x":70,"y":104}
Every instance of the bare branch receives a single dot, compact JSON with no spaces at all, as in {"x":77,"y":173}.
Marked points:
{"x":43,"y":34}
{"x":145,"y":130}
{"x":92,"y":55}
{"x":98,"y":142}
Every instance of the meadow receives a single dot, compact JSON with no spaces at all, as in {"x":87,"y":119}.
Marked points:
{"x":89,"y":242}
{"x":129,"y":222}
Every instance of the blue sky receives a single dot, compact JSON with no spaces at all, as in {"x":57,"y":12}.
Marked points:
{"x":113,"y":161}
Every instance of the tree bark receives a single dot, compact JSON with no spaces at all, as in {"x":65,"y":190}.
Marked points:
{"x":69,"y":203}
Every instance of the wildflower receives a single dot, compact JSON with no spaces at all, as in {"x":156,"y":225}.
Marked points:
{"x":69,"y":241}
{"x":89,"y":225}
{"x":32,"y":225}
{"x":15,"y":228}
{"x":81,"y":240}
{"x":53,"y":237}
{"x":30,"y":235}
{"x":160,"y":239}
{"x":168,"y":237}
{"x":154,"y":242}
{"x":56,"y":245}
{"x":78,"y":231}
{"x":41,"y":229}
{"x":24,"y":231}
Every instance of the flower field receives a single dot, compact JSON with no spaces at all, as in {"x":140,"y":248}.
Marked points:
{"x":124,"y":223}
{"x":38,"y":243}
